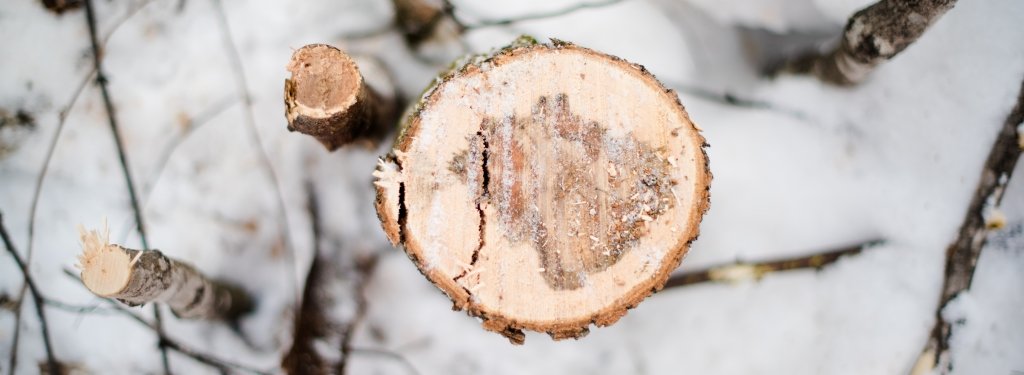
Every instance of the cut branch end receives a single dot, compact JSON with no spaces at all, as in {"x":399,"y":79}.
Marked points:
{"x":327,"y":98}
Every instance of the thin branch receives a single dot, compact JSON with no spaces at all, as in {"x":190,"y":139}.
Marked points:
{"x":365,"y":268}
{"x":981,"y":217}
{"x":220,"y":364}
{"x":730,"y":99}
{"x":37,"y":190}
{"x":51,"y":360}
{"x":238,"y":69}
{"x":77,"y":309}
{"x":537,"y":16}
{"x":312,"y":325}
{"x":742,"y":271}
{"x":193,"y":124}
{"x":388,"y":354}
{"x":101,"y":80}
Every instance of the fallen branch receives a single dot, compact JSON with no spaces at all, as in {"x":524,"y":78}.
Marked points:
{"x":53,"y":367}
{"x":982,"y":216}
{"x":744,"y":271}
{"x":139,"y":277}
{"x":316,"y":331}
{"x":242,"y":87}
{"x":327,"y":98}
{"x":873,"y":36}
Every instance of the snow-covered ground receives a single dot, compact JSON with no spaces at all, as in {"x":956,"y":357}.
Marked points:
{"x":897,"y":158}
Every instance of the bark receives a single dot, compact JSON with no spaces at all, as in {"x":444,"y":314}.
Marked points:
{"x":873,"y":36}
{"x":138,"y":277}
{"x":320,"y":334}
{"x":327,"y":98}
{"x":742,"y":271}
{"x":982,"y":216}
{"x":545,"y":187}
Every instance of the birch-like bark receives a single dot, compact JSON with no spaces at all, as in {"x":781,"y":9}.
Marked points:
{"x":873,"y":36}
{"x":138,"y":277}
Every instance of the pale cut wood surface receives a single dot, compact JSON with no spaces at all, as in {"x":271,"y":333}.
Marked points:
{"x":546,"y":187}
{"x":139,"y":277}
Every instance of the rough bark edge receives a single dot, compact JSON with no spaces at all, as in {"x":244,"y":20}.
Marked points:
{"x":494,"y":321}
{"x":366,"y":122}
{"x":981,"y":217}
{"x":872,"y":36}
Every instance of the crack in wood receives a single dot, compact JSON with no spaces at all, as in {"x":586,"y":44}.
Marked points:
{"x":581,"y":197}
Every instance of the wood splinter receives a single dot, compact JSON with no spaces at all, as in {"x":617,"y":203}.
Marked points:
{"x":545,"y":187}
{"x":138,"y":277}
{"x":327,"y":98}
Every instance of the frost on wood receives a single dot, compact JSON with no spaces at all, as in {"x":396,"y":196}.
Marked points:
{"x":545,"y":187}
{"x":139,"y":277}
{"x":327,"y":98}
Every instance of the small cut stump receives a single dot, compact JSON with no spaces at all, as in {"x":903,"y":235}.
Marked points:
{"x":545,"y":187}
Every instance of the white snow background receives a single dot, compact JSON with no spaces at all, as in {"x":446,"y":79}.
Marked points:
{"x":897,"y":158}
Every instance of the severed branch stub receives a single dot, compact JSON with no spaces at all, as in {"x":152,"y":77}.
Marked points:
{"x":545,"y":187}
{"x":138,"y":277}
{"x":873,"y":35}
{"x":327,"y":98}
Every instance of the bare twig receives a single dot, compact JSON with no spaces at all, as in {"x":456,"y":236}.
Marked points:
{"x":538,"y":16}
{"x":194,"y":123}
{"x":78,"y":309}
{"x":741,"y":271}
{"x":982,"y":216}
{"x":312,"y":324}
{"x":310,"y":321}
{"x":51,"y":360}
{"x":387,"y":354}
{"x":36,"y":192}
{"x":365,"y":267}
{"x":730,"y":99}
{"x":101,"y":80}
{"x":238,"y":69}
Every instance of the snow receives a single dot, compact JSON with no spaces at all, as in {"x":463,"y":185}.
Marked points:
{"x":896,"y":157}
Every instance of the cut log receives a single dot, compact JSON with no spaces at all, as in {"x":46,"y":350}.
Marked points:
{"x":327,"y":98}
{"x":138,"y":277}
{"x":545,"y":187}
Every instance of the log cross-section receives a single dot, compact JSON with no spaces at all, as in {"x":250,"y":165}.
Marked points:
{"x":545,"y":187}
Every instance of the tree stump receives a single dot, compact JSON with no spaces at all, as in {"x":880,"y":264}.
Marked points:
{"x":545,"y":187}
